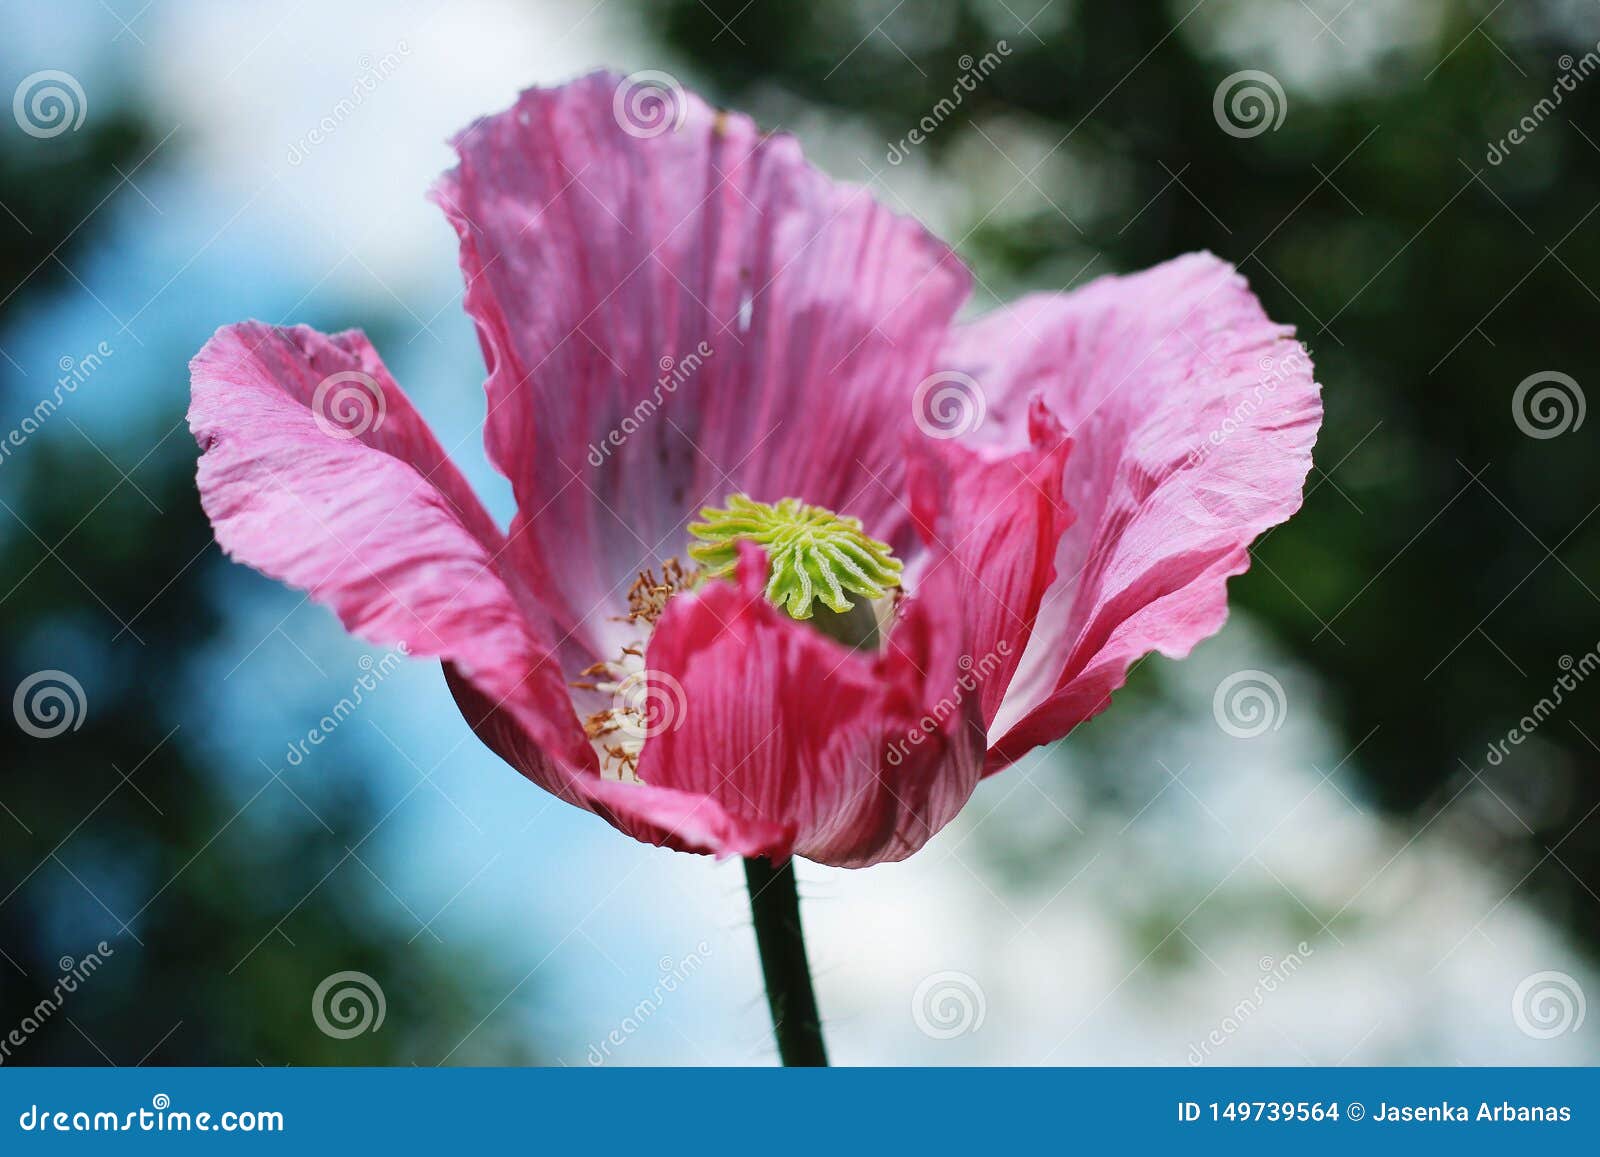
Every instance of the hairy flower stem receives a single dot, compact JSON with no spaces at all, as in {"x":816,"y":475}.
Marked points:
{"x":775,"y":907}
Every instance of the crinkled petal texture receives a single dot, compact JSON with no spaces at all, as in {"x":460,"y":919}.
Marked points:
{"x":849,"y":753}
{"x":1193,"y":417}
{"x":316,"y":470}
{"x":1002,"y":516}
{"x":673,"y":316}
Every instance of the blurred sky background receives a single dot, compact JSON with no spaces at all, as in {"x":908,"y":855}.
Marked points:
{"x":1111,"y":900}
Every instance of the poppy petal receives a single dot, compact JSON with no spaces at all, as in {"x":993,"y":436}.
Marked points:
{"x":781,"y":724}
{"x":1193,"y":416}
{"x":674,"y":314}
{"x":316,"y":470}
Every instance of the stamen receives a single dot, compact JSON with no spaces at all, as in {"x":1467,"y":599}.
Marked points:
{"x":648,"y":595}
{"x":618,"y":732}
{"x":611,"y":732}
{"x":814,"y":554}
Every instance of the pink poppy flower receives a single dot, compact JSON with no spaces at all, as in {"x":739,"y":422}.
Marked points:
{"x":682,"y":314}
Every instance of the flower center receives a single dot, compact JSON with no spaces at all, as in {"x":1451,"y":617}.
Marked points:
{"x":817,"y":560}
{"x":815,"y":555}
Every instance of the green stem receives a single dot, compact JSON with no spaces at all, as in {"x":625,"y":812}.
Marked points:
{"x":775,"y":907}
